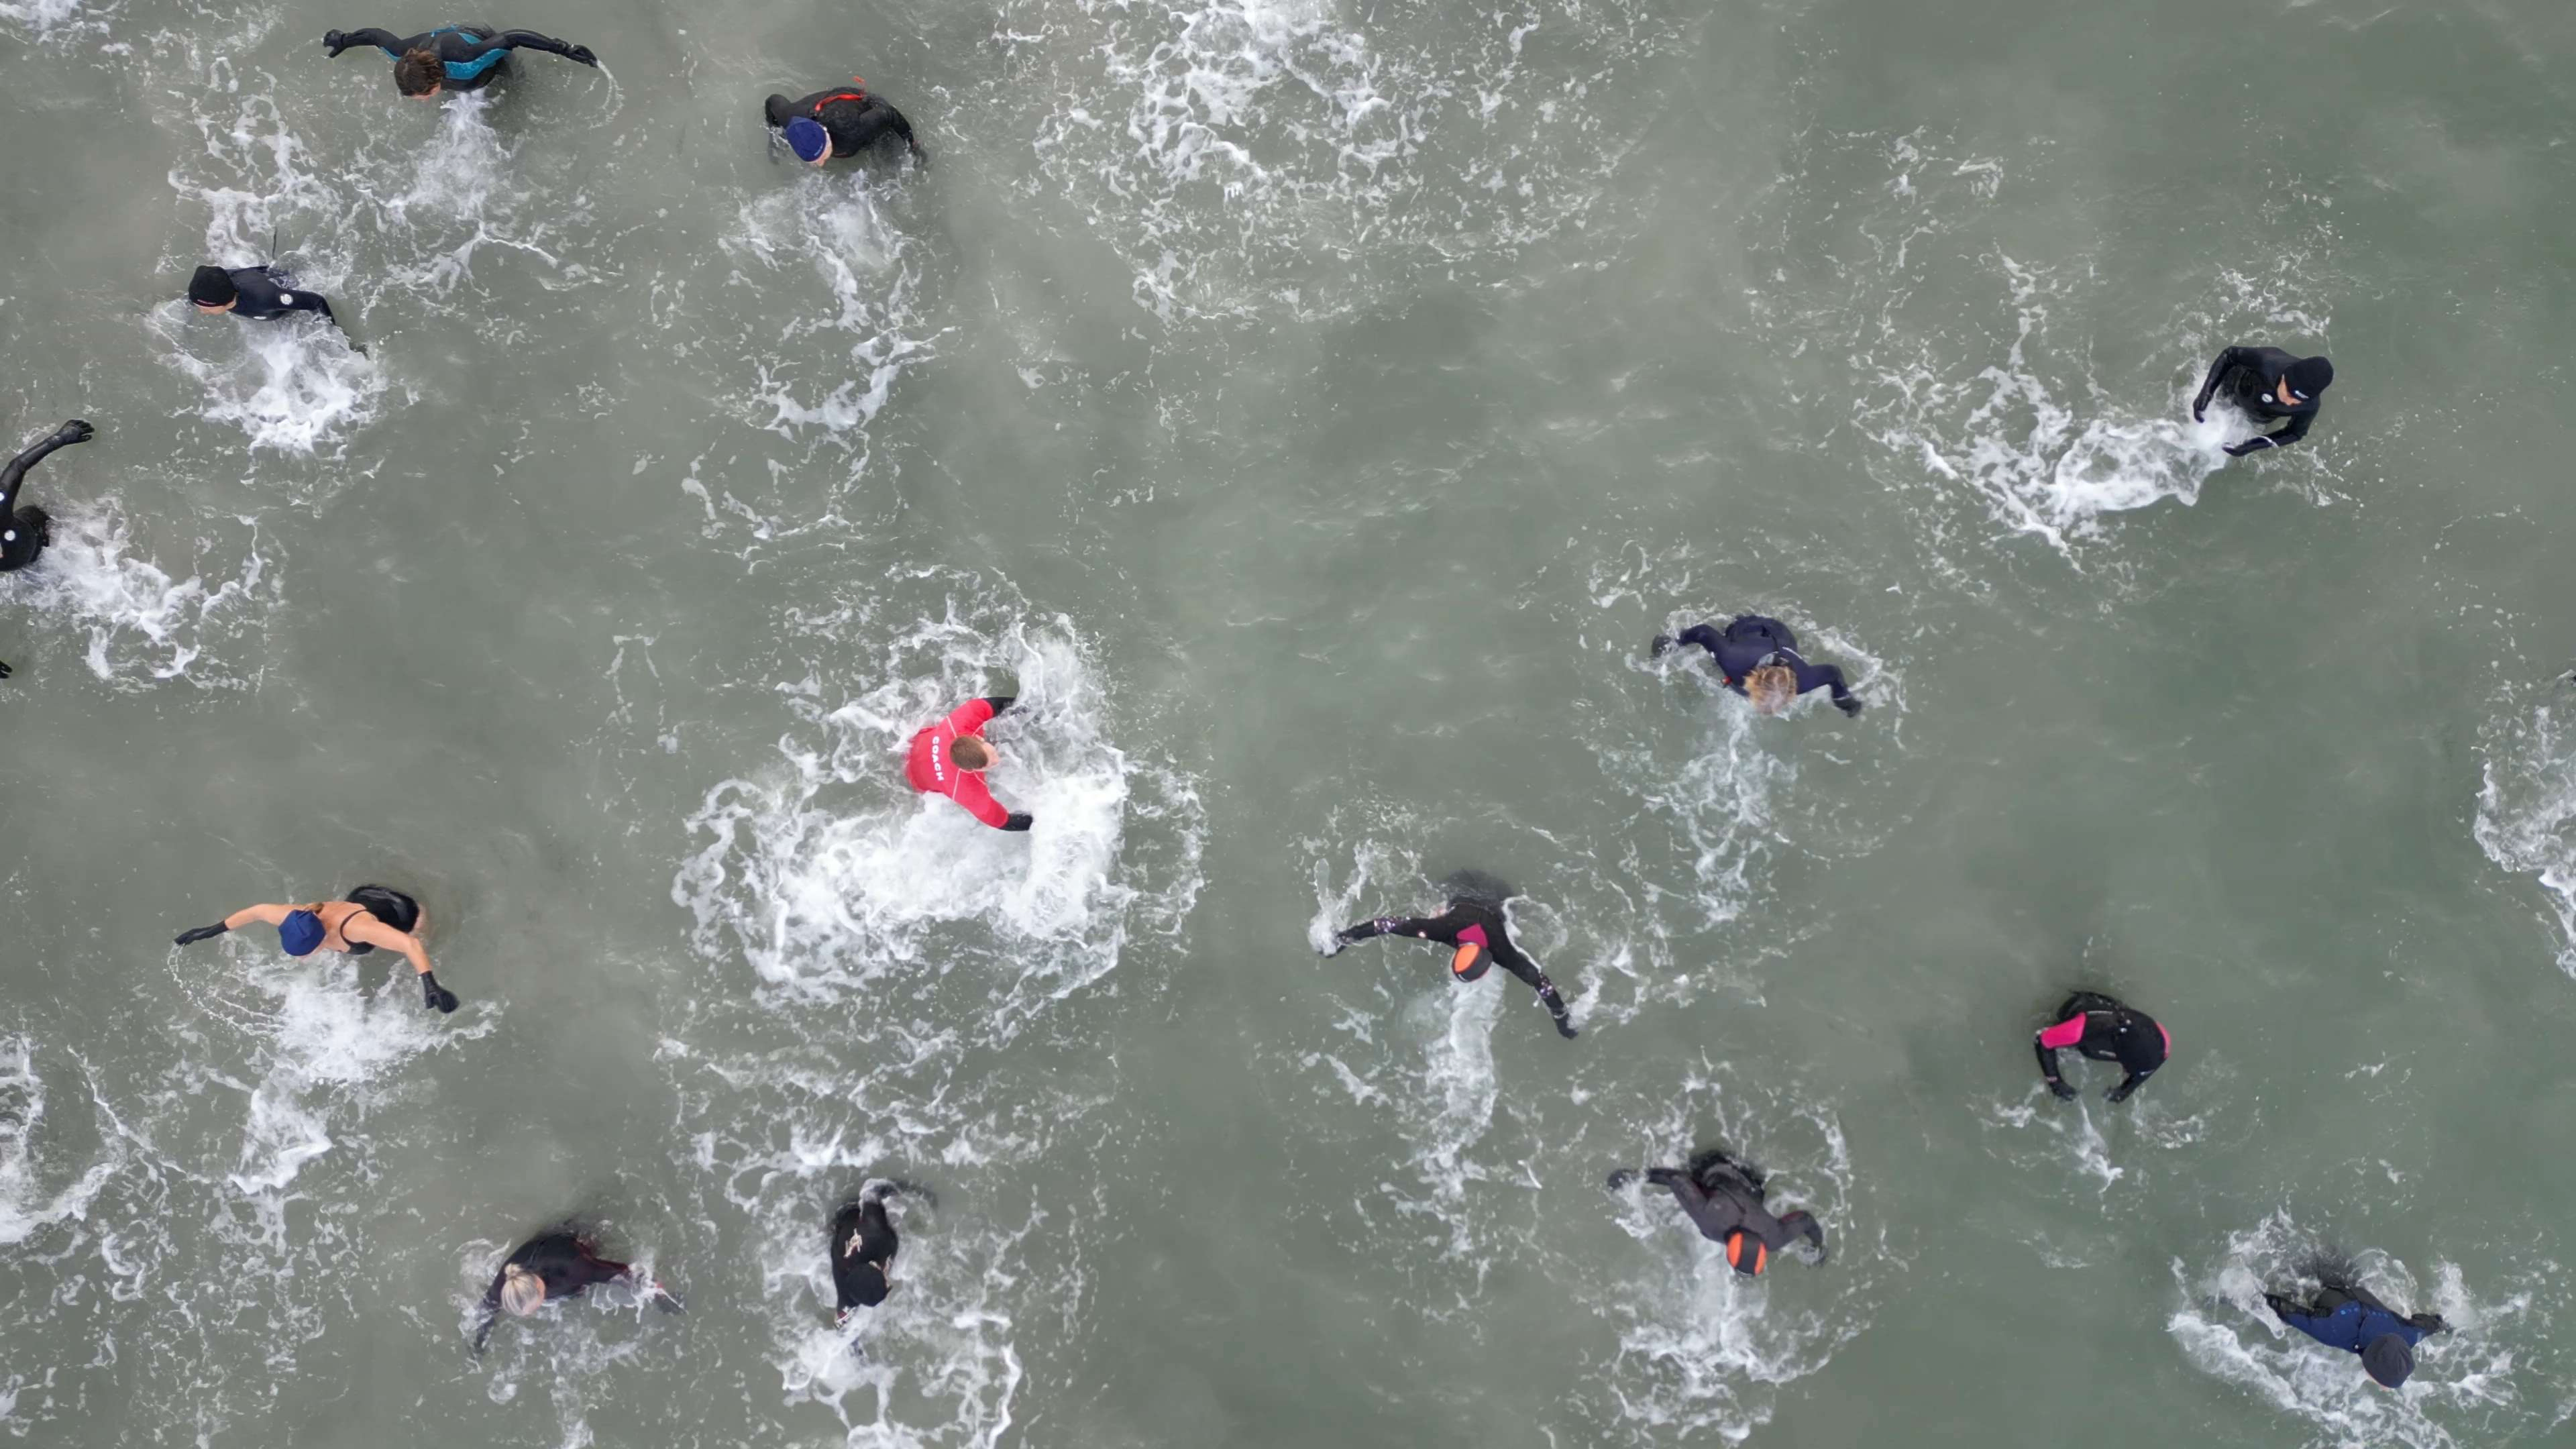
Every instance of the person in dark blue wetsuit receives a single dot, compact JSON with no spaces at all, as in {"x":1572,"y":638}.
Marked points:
{"x":1758,"y":658}
{"x":2267,"y":384}
{"x":2346,"y":1316}
{"x":453,"y":57}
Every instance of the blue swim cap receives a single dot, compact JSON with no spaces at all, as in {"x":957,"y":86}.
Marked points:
{"x":300,"y":932}
{"x":807,"y":138}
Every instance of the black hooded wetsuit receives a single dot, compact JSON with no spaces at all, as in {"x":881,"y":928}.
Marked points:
{"x":2105,"y":1031}
{"x":474,"y":55}
{"x":24,"y":532}
{"x":1470,"y":922}
{"x":266,"y":292}
{"x":854,"y":119}
{"x":1724,"y":1196}
{"x":1752,"y":641}
{"x":564,"y":1260}
{"x":864,"y":1243}
{"x":2252,"y":377}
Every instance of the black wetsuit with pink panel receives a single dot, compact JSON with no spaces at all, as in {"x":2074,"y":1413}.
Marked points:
{"x":2106,"y":1031}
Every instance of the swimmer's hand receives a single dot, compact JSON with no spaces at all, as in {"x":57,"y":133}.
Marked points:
{"x":2064,"y":1093}
{"x":581,"y":53}
{"x":1662,"y":646}
{"x":75,"y":431}
{"x":335,"y":42}
{"x":1565,"y":1028}
{"x":5,"y":670}
{"x":920,"y":157}
{"x":434,"y":995}
{"x":1018,"y":820}
{"x":1621,"y":1177}
{"x":2281,"y":1307}
{"x":201,"y":933}
{"x":1851,"y":707}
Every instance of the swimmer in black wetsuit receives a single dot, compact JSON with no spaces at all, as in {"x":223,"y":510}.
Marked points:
{"x":551,"y":1266}
{"x":1724,"y":1199}
{"x":838,"y":124}
{"x":453,"y":57}
{"x":1758,"y":658}
{"x":24,"y":532}
{"x":1474,"y":924}
{"x":258,"y":293}
{"x":2266,"y":383}
{"x":863,"y":1245}
{"x":2106,"y":1031}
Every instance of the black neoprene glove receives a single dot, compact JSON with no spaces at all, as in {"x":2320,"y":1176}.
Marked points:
{"x":434,"y":995}
{"x":1850,"y":707}
{"x":2281,"y":1307}
{"x":2123,"y":1091}
{"x":77,"y":430}
{"x":1001,"y":702}
{"x":2200,"y":407}
{"x":1662,"y":646}
{"x":581,"y":53}
{"x":2250,"y":445}
{"x":201,"y":933}
{"x":1555,"y":1005}
{"x":335,"y":42}
{"x":1019,"y":820}
{"x":2063,"y":1092}
{"x":5,"y":670}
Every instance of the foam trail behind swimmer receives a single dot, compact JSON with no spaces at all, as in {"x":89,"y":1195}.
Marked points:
{"x":143,"y":625}
{"x":2526,"y":813}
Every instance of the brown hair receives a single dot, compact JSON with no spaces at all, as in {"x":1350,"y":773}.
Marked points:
{"x":419,"y":72}
{"x":1771,"y":687}
{"x":970,"y":753}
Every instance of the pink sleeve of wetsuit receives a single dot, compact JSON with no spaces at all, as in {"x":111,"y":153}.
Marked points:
{"x":2065,"y":1034}
{"x":970,"y":792}
{"x":969,"y":718}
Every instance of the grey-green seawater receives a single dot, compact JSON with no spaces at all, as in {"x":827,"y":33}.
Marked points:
{"x":1311,"y":410}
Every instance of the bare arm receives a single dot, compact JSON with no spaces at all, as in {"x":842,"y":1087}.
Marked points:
{"x":363,"y":927}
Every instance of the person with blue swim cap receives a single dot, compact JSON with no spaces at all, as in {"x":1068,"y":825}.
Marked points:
{"x":371,"y":916}
{"x":453,"y":57}
{"x":838,"y":124}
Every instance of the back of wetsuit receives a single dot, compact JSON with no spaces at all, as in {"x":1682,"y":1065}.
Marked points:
{"x":1472,"y":922}
{"x":863,"y":1244}
{"x":855,"y":119}
{"x":1751,"y":641}
{"x":265,"y":292}
{"x":2104,"y":1030}
{"x":2252,"y":377}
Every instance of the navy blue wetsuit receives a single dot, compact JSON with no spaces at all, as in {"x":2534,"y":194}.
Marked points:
{"x":1752,"y":641}
{"x":2349,"y":1318}
{"x":475,"y":55}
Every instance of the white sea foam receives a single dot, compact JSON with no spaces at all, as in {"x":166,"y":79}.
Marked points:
{"x":35,"y":1195}
{"x":2526,"y":817}
{"x":144,"y":626}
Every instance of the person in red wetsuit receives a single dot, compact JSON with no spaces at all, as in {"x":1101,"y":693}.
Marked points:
{"x":950,"y":758}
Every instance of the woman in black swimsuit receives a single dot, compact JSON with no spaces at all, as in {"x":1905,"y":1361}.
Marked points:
{"x":372,"y":916}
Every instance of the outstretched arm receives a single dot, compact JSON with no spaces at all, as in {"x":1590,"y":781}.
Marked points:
{"x":1831,"y":678}
{"x":491,"y":1308}
{"x":979,"y":802}
{"x":1509,"y":957}
{"x":14,"y":473}
{"x":1705,"y":636}
{"x":1803,"y":1224}
{"x":2064,"y":1034}
{"x":1388,"y":926}
{"x":385,"y":40}
{"x":2128,"y":1084}
{"x":531,"y":40}
{"x":2297,"y":429}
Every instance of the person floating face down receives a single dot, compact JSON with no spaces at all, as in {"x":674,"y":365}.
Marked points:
{"x":453,"y":57}
{"x":2266,"y":383}
{"x":548,"y":1268}
{"x":1474,"y":926}
{"x":1724,"y":1198}
{"x":371,"y":916}
{"x":1758,"y":658}
{"x":2348,"y":1317}
{"x":863,"y":1244}
{"x":950,"y":759}
{"x":837,"y":124}
{"x":2106,"y":1031}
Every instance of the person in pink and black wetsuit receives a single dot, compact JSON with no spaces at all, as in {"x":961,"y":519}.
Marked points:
{"x":2106,"y":1031}
{"x":1474,"y":925}
{"x":950,"y":758}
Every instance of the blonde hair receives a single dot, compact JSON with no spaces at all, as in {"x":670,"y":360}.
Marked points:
{"x":970,"y":753}
{"x":521,"y":1291}
{"x":1772,"y":688}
